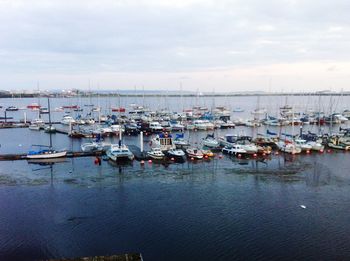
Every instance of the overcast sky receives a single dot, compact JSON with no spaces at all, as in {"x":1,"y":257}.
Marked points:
{"x":222,"y":45}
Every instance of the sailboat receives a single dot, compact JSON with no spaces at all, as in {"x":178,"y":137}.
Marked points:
{"x":46,"y":151}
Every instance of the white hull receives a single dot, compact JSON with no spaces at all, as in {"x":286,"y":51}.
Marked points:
{"x":48,"y":155}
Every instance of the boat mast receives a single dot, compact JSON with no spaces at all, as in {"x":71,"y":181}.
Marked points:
{"x":49,"y":109}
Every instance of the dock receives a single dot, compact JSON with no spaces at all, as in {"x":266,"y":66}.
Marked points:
{"x":125,"y":257}
{"x":137,"y":152}
{"x":70,"y":154}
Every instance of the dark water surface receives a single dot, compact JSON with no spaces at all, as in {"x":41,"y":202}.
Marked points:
{"x":221,"y":209}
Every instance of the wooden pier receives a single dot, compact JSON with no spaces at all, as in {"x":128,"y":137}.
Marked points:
{"x":137,"y":152}
{"x":125,"y":257}
{"x":70,"y":154}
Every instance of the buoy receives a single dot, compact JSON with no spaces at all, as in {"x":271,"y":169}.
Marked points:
{"x":321,"y":151}
{"x":239,"y":155}
{"x":307,"y":152}
{"x":254,"y":155}
{"x":329,"y":151}
{"x":264,"y":154}
{"x":172,"y":159}
{"x":206,"y":156}
{"x":96,"y":161}
{"x":142,"y":162}
{"x":150,"y":161}
{"x":220,"y":156}
{"x":192,"y":158}
{"x":276,"y":153}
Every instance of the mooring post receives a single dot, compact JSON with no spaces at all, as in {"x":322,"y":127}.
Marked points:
{"x":25,"y":117}
{"x":141,"y":141}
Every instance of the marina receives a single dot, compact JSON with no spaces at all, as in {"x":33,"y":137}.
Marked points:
{"x":252,"y":183}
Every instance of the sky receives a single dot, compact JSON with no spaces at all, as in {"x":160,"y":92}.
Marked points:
{"x":205,"y":45}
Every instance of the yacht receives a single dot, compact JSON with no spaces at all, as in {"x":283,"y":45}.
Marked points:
{"x":194,"y":153}
{"x":210,"y":141}
{"x":66,"y":120}
{"x":156,"y":153}
{"x":119,"y":152}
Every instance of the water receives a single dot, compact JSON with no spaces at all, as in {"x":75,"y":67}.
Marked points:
{"x":218,"y":209}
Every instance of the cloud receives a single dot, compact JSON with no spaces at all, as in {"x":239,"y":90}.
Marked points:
{"x":153,"y":37}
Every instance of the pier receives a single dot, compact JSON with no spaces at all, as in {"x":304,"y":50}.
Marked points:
{"x":125,"y":257}
{"x":70,"y":154}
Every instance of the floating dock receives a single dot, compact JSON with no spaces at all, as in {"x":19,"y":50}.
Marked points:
{"x":70,"y":154}
{"x":137,"y":152}
{"x":125,"y":257}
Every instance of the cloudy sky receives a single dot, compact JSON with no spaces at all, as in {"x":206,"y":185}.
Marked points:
{"x":221,"y":45}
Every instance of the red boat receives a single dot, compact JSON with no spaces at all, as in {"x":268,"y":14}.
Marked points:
{"x":70,"y":107}
{"x":121,"y":109}
{"x":34,"y":106}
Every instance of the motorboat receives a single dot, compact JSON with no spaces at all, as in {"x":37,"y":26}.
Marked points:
{"x":177,"y":154}
{"x":210,"y":141}
{"x":163,"y":141}
{"x":67,"y":120}
{"x":155,"y":126}
{"x":207,"y":153}
{"x":194,"y":153}
{"x":335,"y":143}
{"x":235,"y":149}
{"x":229,"y":140}
{"x":303,"y":145}
{"x":288,"y":147}
{"x":12,"y":108}
{"x":180,"y":141}
{"x":119,"y":152}
{"x":156,"y":153}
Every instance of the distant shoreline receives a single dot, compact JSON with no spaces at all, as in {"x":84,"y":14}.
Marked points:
{"x":59,"y":95}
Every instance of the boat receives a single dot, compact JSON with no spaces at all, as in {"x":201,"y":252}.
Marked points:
{"x":45,"y":152}
{"x":238,"y":109}
{"x":177,"y":154}
{"x":303,"y":145}
{"x":156,"y":153}
{"x":163,"y":141}
{"x":210,"y":141}
{"x":67,"y":120}
{"x":207,"y":153}
{"x":50,"y":129}
{"x":180,"y":141}
{"x":36,"y":124}
{"x":119,"y":152}
{"x":12,"y":108}
{"x":155,"y":126}
{"x":228,"y":141}
{"x":34,"y":106}
{"x":44,"y":110}
{"x":288,"y":147}
{"x":335,"y":143}
{"x":194,"y":153}
{"x":235,"y":149}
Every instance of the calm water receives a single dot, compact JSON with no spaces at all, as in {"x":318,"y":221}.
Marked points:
{"x":222,"y":209}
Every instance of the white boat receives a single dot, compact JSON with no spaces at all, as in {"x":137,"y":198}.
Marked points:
{"x":234,"y":150}
{"x":194,"y":153}
{"x":316,"y":146}
{"x":34,"y":127}
{"x":163,"y":141}
{"x":45,"y":152}
{"x":155,"y":126}
{"x":228,"y":141}
{"x":119,"y":152}
{"x":288,"y":147}
{"x":156,"y":153}
{"x":210,"y":141}
{"x":66,"y":120}
{"x":177,"y":154}
{"x":238,"y":109}
{"x":335,"y":143}
{"x":303,"y":145}
{"x":200,"y":125}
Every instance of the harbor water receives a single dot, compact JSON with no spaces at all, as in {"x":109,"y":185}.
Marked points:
{"x":281,"y":207}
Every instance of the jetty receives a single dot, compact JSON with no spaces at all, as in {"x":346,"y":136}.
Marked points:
{"x":70,"y":154}
{"x":125,"y":257}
